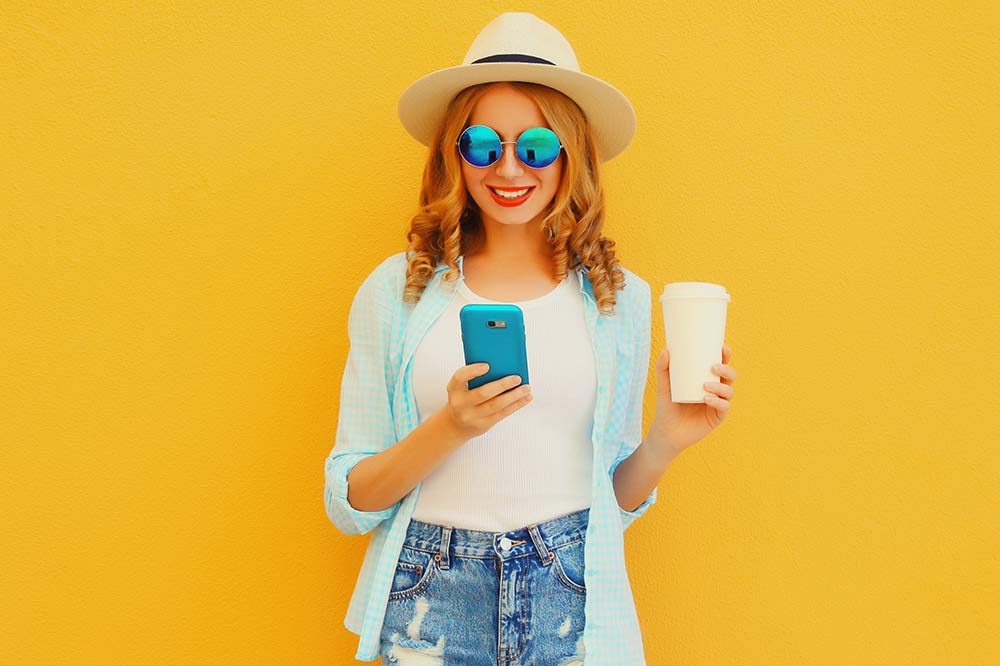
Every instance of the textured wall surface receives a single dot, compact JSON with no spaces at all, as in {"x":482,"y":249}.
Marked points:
{"x":190,"y":193}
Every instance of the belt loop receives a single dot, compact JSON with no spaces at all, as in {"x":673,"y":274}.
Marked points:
{"x":445,"y":547}
{"x":543,"y":552}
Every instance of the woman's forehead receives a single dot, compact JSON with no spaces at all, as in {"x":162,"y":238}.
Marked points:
{"x":507,"y":110}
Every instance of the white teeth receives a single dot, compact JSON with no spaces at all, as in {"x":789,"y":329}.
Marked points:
{"x":511,"y":195}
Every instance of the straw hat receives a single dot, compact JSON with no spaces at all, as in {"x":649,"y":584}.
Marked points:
{"x":519,"y":46}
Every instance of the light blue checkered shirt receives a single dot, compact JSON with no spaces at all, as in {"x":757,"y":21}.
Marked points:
{"x":377,"y":409}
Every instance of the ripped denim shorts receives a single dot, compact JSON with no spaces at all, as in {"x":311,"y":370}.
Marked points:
{"x":472,"y":598}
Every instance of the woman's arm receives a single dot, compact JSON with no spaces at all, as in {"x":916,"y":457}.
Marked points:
{"x":380,"y":480}
{"x":640,"y":462}
{"x":368,"y":471}
{"x":637,"y":475}
{"x":365,"y":425}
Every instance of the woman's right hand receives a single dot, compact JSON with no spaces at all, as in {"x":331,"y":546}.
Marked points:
{"x":473,"y":412}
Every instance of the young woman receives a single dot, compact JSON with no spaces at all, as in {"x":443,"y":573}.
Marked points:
{"x":486,"y":504}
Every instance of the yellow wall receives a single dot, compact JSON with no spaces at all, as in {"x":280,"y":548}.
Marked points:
{"x":191,"y":194}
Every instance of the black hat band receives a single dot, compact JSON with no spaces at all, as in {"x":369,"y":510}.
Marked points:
{"x":513,"y":57}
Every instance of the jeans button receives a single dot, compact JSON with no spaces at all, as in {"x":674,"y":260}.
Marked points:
{"x":505,"y":544}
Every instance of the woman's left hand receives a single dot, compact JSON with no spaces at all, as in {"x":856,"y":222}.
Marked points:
{"x":679,"y":425}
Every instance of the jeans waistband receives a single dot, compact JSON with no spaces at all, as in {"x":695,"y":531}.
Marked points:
{"x":537,"y":539}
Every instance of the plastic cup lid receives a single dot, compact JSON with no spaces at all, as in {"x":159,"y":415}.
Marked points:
{"x":694,"y":290}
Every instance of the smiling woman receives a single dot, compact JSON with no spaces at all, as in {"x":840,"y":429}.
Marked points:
{"x":498,"y":531}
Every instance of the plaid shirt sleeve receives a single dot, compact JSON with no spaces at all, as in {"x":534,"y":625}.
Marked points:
{"x":640,"y":374}
{"x":365,"y":424}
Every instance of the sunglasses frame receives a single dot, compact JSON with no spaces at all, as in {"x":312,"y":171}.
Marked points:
{"x":458,"y":143}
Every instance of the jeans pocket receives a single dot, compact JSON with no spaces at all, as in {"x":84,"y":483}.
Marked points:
{"x":569,"y":566}
{"x":414,"y":572}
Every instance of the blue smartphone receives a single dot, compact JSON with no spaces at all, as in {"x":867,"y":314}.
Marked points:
{"x":494,"y":334}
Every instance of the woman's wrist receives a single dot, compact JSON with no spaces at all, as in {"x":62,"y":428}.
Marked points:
{"x":661,"y":448}
{"x":448,"y":428}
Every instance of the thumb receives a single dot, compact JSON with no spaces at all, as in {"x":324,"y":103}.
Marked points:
{"x":663,"y":373}
{"x":663,"y":362}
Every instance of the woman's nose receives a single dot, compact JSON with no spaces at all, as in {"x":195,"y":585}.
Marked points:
{"x":509,"y":166}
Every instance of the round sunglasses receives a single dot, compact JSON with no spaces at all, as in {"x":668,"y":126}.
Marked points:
{"x":481,"y":146}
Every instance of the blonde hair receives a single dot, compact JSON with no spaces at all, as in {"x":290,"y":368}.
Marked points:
{"x":449,"y":224}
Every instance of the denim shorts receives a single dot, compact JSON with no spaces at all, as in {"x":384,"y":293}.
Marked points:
{"x":472,"y":598}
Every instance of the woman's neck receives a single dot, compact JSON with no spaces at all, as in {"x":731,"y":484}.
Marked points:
{"x":509,"y":277}
{"x":513,"y":244}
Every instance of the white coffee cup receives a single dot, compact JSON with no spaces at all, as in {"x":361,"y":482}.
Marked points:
{"x":694,"y":316}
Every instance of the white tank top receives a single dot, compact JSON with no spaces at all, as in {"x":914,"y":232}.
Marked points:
{"x":535,"y":464}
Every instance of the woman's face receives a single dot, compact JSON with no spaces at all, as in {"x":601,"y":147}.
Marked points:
{"x":510,"y":112}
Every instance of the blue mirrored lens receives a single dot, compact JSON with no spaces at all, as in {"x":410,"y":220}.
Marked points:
{"x":480,"y":145}
{"x":538,"y":147}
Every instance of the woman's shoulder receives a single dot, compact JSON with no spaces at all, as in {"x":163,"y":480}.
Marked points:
{"x":637,"y":293}
{"x":392,"y":266}
{"x":382,"y":283}
{"x":389,"y":272}
{"x":634,"y":302}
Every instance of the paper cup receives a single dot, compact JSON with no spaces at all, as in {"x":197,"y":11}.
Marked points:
{"x":694,"y":316}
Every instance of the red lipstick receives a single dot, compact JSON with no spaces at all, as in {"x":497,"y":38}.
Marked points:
{"x":509,"y":203}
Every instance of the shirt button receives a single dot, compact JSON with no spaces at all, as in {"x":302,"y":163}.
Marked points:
{"x":505,"y":544}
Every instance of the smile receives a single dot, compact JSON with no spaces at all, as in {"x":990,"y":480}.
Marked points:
{"x":507,"y":197}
